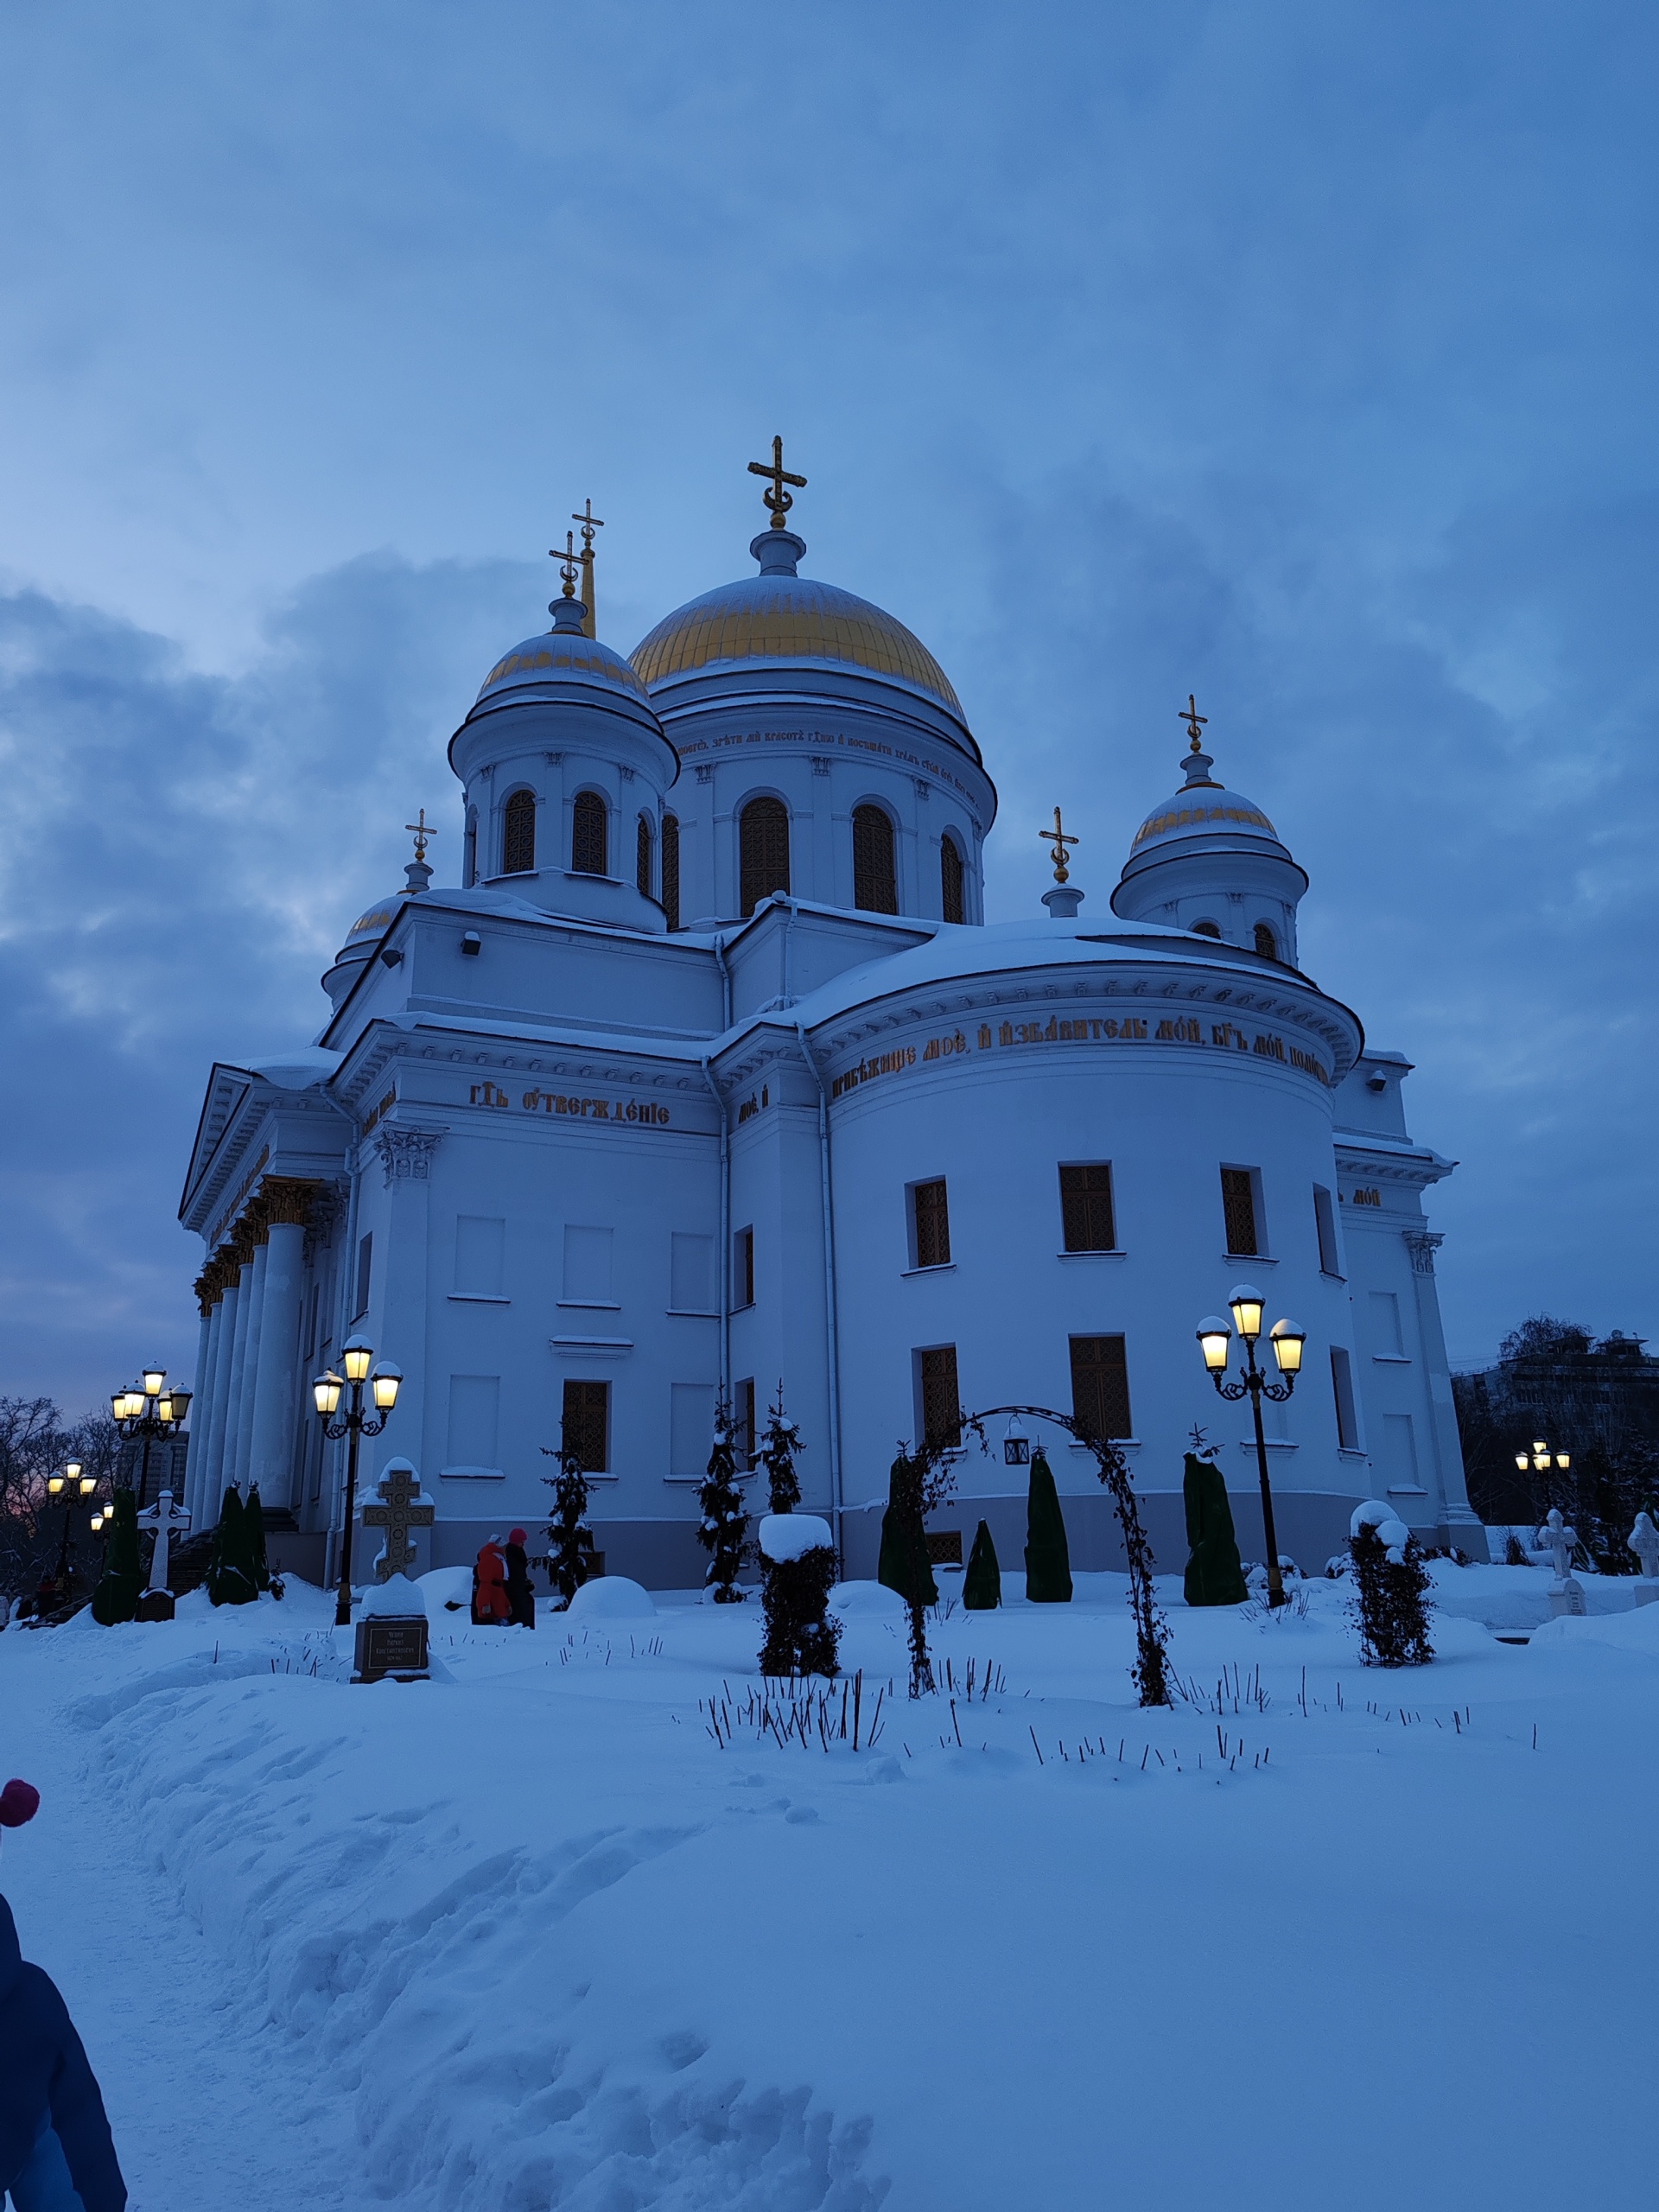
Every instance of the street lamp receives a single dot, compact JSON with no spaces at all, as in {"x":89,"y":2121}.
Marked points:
{"x":148,"y":1412}
{"x":1215,"y":1341}
{"x":1541,"y":1458}
{"x":358,"y":1359}
{"x":69,"y":1487}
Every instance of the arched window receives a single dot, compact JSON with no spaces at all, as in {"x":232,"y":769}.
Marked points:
{"x":1266,"y":941}
{"x":763,"y":851}
{"x":589,"y":855}
{"x":950,"y":900}
{"x":671,"y":869}
{"x":874,"y":886}
{"x":469,"y":857}
{"x":1205,"y":928}
{"x":518,"y":833}
{"x":642,"y":856}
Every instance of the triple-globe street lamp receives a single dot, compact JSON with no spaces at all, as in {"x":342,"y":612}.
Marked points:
{"x":149,"y":1412}
{"x":69,"y":1486}
{"x":1541,"y":1458}
{"x":1215,"y":1338}
{"x":358,"y":1359}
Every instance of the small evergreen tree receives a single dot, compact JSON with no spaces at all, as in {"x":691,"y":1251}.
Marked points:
{"x":802,"y":1636}
{"x":1215,"y":1574}
{"x":724,"y":1528}
{"x":921,"y":1482}
{"x":115,"y":1597}
{"x":982,"y":1586}
{"x":1048,"y":1559}
{"x":570,"y":1560}
{"x":230,"y":1573}
{"x":253,"y":1541}
{"x":903,"y":1564}
{"x":1390,"y":1587}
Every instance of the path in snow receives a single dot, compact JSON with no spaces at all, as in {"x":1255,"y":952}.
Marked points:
{"x":214,"y":2109}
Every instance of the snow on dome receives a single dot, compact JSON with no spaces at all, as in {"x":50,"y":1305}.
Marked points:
{"x":610,"y":1598}
{"x":791,"y":1535}
{"x":561,"y":656}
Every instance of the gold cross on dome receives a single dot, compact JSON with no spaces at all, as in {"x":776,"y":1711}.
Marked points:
{"x":567,"y":562}
{"x":421,"y":829}
{"x":1194,"y":720}
{"x":1057,"y":836}
{"x":590,"y":522}
{"x":778,"y":500}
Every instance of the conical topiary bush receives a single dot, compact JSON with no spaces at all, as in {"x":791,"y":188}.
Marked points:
{"x":982,"y":1586}
{"x":253,"y":1541}
{"x":1214,"y":1573}
{"x":1048,"y":1561}
{"x":904,"y":1565}
{"x":115,"y":1597}
{"x":230,"y":1581}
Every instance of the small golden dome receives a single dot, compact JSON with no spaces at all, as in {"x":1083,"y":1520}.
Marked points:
{"x":788,"y":618}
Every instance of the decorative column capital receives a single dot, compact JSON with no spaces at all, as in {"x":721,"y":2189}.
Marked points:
{"x":406,"y":1154}
{"x":288,"y":1201}
{"x":1422,"y":1244}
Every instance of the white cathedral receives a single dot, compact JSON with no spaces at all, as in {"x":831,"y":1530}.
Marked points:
{"x":711,"y":1075}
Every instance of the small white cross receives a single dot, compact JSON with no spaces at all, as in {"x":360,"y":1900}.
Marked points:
{"x":167,"y":1520}
{"x":1644,"y":1540}
{"x":1558,"y":1539}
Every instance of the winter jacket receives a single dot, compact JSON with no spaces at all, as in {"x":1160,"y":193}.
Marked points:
{"x":43,"y":2068}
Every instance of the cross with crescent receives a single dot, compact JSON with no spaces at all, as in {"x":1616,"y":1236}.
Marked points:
{"x":778,"y":500}
{"x":421,"y":829}
{"x":1058,"y":837}
{"x":1194,"y":720}
{"x":567,"y":562}
{"x":590,"y":522}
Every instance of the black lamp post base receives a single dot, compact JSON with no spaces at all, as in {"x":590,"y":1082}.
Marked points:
{"x":157,"y":1605}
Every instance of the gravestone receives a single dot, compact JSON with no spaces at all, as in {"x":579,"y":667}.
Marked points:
{"x":157,"y":1603}
{"x":1566,"y":1591}
{"x":391,"y":1635}
{"x":1644,"y":1540}
{"x":400,"y":1505}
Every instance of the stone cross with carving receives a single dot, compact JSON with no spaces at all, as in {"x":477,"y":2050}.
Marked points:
{"x":167,"y":1520}
{"x":400,"y":1506}
{"x":1644,"y":1540}
{"x":1558,"y":1539}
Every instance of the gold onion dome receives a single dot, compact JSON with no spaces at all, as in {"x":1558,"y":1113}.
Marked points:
{"x":782,"y":618}
{"x":562,"y":655}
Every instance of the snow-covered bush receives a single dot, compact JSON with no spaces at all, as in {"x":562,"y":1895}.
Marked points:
{"x":723,"y":1529}
{"x":1391,"y":1584}
{"x":798,"y":1554}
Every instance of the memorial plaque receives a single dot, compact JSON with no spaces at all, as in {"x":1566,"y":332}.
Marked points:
{"x":391,"y":1644}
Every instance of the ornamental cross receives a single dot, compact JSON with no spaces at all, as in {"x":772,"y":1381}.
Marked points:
{"x":778,"y":500}
{"x":167,"y":1520}
{"x":567,"y":562}
{"x":421,"y":829}
{"x":590,"y":522}
{"x":1194,"y":720}
{"x":402,"y":1505}
{"x":1058,"y":837}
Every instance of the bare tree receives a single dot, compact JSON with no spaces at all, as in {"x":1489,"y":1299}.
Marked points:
{"x":33,"y":1440}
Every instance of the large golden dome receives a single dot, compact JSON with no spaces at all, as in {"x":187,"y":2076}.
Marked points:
{"x":782,"y":618}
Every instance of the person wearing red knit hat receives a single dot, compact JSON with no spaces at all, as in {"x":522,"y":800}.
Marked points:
{"x":56,"y":2153}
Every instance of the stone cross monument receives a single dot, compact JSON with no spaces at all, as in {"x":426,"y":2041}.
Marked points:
{"x":1567,"y":1592}
{"x":167,"y":1520}
{"x":402,"y":1505}
{"x":1644,"y":1540}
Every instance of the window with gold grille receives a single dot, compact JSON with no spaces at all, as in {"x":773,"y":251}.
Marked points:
{"x":950,"y":873}
{"x":587,"y":1424}
{"x":642,"y":856}
{"x":931,"y":1213}
{"x":518,"y":833}
{"x":1100,"y":1387}
{"x":941,"y":1405}
{"x":1238,"y":1211}
{"x":671,"y":869}
{"x":588,"y":840}
{"x":1086,"y":1217}
{"x":875,"y":888}
{"x":763,"y":851}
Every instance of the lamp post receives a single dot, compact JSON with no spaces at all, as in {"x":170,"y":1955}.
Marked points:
{"x":149,"y":1412}
{"x":358,"y":1360}
{"x":71,"y":1487}
{"x":1215,"y":1338}
{"x":1541,"y":1458}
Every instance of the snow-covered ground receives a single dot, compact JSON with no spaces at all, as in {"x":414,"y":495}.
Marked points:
{"x":531,"y":1936}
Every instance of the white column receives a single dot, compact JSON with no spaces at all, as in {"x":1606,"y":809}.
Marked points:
{"x":213,"y":1480}
{"x":275,"y":1384}
{"x":201,"y":1406}
{"x":238,"y":1473}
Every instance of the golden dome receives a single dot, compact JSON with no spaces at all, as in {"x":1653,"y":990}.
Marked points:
{"x":781,"y":617}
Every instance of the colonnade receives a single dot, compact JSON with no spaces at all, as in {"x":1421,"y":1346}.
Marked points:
{"x":248,"y":1382}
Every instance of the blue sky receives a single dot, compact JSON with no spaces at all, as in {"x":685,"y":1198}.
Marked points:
{"x":1301,"y":355}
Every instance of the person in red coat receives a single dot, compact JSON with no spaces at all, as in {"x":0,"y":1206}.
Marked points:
{"x":490,"y":1606}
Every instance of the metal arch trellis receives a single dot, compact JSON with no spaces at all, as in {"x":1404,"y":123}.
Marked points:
{"x":1151,"y":1669}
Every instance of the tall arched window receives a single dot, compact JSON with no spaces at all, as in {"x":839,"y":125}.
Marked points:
{"x":1266,"y":941}
{"x":763,"y":851}
{"x":950,"y":899}
{"x":518,"y":833}
{"x":874,"y":886}
{"x":671,"y":869}
{"x":642,"y":856}
{"x":589,"y":855}
{"x":469,"y":857}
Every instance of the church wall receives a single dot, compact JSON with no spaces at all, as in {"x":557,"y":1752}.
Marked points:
{"x":787,"y":951}
{"x":1010,"y":1301}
